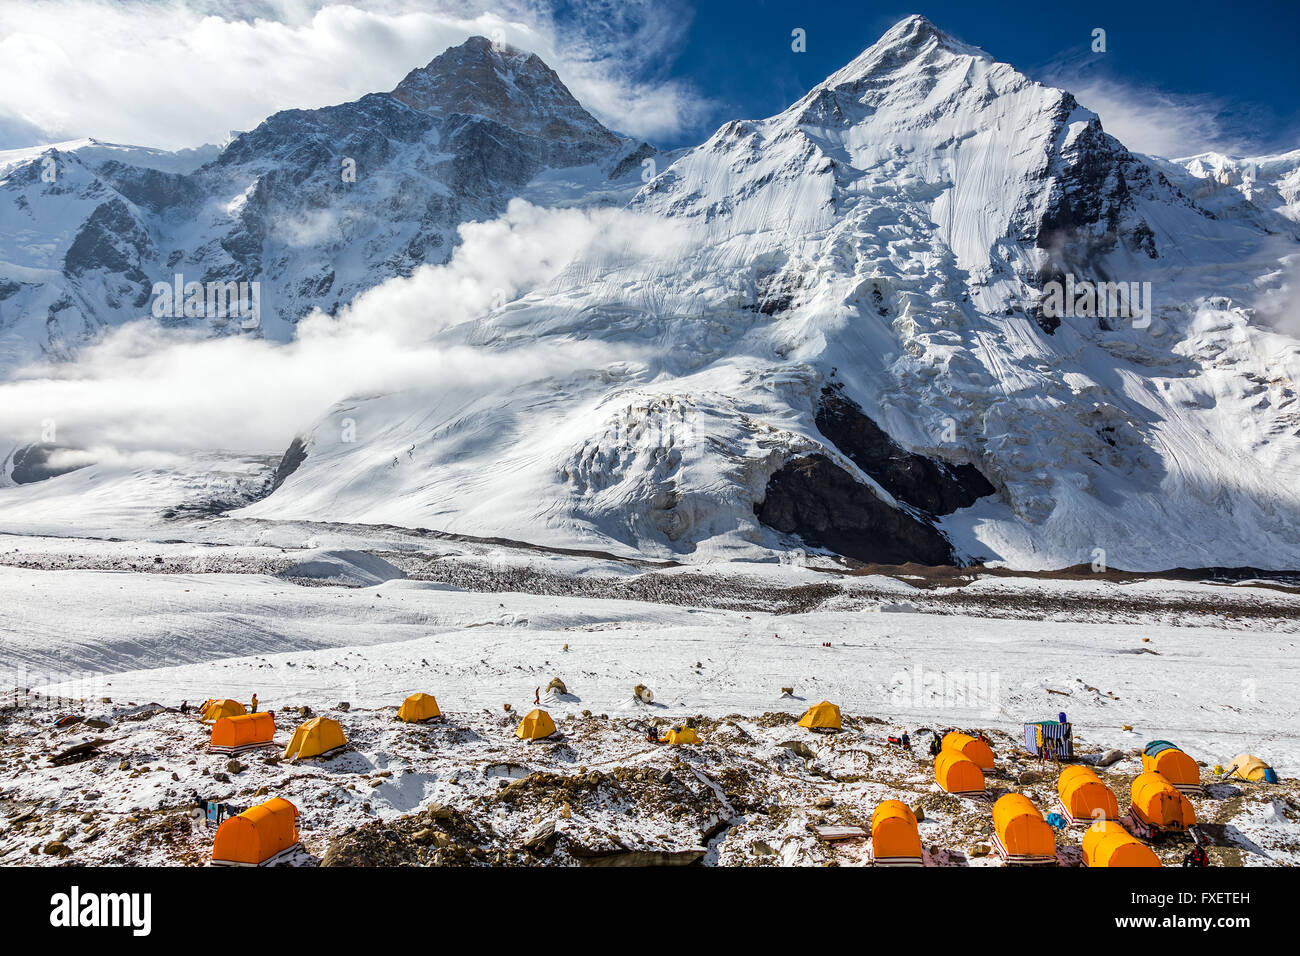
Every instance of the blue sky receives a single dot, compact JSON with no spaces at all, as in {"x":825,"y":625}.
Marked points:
{"x":1176,"y":78}
{"x":1235,"y":65}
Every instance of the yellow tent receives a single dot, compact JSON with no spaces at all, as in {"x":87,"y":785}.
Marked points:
{"x":1175,"y":766}
{"x":1247,"y":767}
{"x":1109,"y":844}
{"x":1020,"y":833}
{"x":823,"y":716}
{"x":1083,"y":795}
{"x":315,"y":737}
{"x":1156,"y":802}
{"x":957,"y":773}
{"x":681,"y":735}
{"x":894,"y":837}
{"x":214,"y":710}
{"x":535,"y":726}
{"x":971,"y":747}
{"x":418,"y":707}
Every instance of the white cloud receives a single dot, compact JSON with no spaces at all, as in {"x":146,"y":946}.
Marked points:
{"x":144,"y":391}
{"x":179,"y":73}
{"x":1150,"y":121}
{"x":1278,"y":304}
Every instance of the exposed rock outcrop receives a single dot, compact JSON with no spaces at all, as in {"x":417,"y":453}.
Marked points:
{"x":828,"y":508}
{"x":930,"y":484}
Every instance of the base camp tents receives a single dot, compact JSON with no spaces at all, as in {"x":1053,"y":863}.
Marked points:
{"x":232,"y":735}
{"x":971,"y":747}
{"x":214,"y":710}
{"x":258,"y":836}
{"x":894,"y":838}
{"x":536,"y":726}
{"x":1156,"y":804}
{"x":1162,"y":757}
{"x":1250,"y":767}
{"x":418,"y":707}
{"x":1020,"y":833}
{"x":317,"y":736}
{"x":957,"y":773}
{"x":1083,"y":796}
{"x":823,"y":716}
{"x":1109,"y":844}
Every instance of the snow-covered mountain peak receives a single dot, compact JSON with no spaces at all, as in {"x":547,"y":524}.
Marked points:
{"x":912,"y":43}
{"x":825,"y":326}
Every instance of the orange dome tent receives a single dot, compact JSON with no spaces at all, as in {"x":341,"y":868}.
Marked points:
{"x":1109,"y":844}
{"x":1084,"y":797}
{"x":973,"y":748}
{"x":258,"y":836}
{"x":214,"y":710}
{"x":1175,"y":766}
{"x":894,"y":839}
{"x":1157,"y":804}
{"x":248,"y":731}
{"x":823,"y":716}
{"x":957,"y":773}
{"x":418,"y":707}
{"x":317,"y":736}
{"x":536,"y":726}
{"x":1020,"y":833}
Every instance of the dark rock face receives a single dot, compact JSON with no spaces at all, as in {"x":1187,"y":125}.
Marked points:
{"x":114,"y":242}
{"x":150,"y":188}
{"x":930,"y":484}
{"x":294,"y":456}
{"x":518,"y":90}
{"x":828,"y":508}
{"x":32,"y":463}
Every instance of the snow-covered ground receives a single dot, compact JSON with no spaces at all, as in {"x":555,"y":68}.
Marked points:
{"x":1208,"y":666}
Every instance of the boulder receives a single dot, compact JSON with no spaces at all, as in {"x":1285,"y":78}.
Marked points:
{"x":799,"y":748}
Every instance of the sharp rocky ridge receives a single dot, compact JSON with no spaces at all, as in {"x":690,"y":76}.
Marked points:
{"x":841,"y":346}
